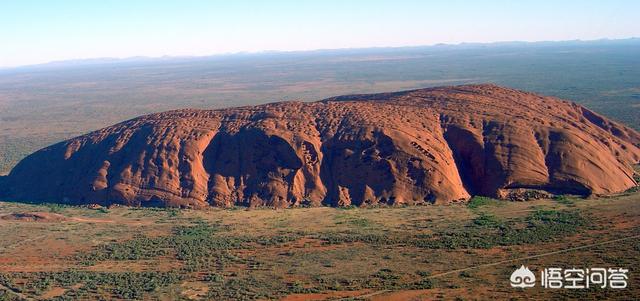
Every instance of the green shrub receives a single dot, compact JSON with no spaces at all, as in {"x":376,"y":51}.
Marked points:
{"x":487,"y":220}
{"x":123,"y":285}
{"x":563,"y":199}
{"x":479,"y":201}
{"x":485,"y":231}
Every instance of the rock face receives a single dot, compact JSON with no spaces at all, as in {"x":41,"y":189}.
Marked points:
{"x":435,"y":145}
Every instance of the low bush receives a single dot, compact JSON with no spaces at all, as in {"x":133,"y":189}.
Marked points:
{"x":124,"y":285}
{"x":485,"y":231}
{"x":479,"y":201}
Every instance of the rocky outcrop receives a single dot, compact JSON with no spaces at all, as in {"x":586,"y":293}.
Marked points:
{"x":435,"y":145}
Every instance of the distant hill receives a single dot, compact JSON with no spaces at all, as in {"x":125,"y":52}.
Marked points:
{"x":343,"y":51}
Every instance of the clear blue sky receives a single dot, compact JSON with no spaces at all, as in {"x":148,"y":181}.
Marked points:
{"x":47,"y":30}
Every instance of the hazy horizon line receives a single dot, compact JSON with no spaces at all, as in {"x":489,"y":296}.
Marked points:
{"x":115,"y":59}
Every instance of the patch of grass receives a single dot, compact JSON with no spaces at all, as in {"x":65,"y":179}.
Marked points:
{"x":564,"y":200}
{"x":173,"y":212}
{"x":213,"y":278}
{"x":480,"y":201}
{"x":5,"y":280}
{"x":540,"y":226}
{"x":56,"y":208}
{"x":248,"y":288}
{"x":333,"y":238}
{"x":384,"y":278}
{"x":140,"y":247}
{"x":487,"y":220}
{"x":485,"y":231}
{"x":358,"y":222}
{"x":278,"y":239}
{"x":124,"y":285}
{"x":350,"y":207}
{"x":196,"y":245}
{"x":8,"y":296}
{"x":199,"y":246}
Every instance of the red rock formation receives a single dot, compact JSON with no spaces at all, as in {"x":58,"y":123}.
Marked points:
{"x":434,"y":145}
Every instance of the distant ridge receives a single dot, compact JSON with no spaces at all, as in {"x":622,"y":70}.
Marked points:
{"x":142,"y":59}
